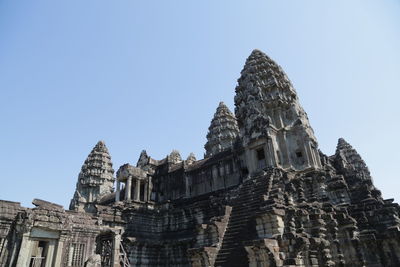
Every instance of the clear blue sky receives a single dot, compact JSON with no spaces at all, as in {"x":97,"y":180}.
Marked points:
{"x":149,"y":75}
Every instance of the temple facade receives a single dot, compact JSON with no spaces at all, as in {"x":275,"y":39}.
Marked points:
{"x":263,"y":195}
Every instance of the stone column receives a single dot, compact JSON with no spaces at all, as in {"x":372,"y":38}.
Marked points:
{"x":50,"y":252}
{"x":13,"y":254}
{"x":308,"y":152}
{"x":307,"y":156}
{"x":250,"y":160}
{"x":118,"y":192}
{"x":285,"y":144}
{"x":270,"y":153}
{"x":24,"y":251}
{"x":277,"y":156}
{"x":128,"y":188}
{"x":149,"y":188}
{"x":116,"y":250}
{"x":278,"y":116}
{"x":58,"y":255}
{"x":146,"y":192}
{"x":187,"y":189}
{"x":312,"y":152}
{"x":137,"y":190}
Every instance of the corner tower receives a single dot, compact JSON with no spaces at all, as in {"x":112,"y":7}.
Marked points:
{"x":274,"y":128}
{"x":222,"y":132}
{"x":95,"y":180}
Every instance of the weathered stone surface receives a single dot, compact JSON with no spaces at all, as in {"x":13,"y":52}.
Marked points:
{"x":264,"y":195}
{"x":272,"y":123}
{"x":46,"y":205}
{"x":95,"y":180}
{"x":223,"y":131}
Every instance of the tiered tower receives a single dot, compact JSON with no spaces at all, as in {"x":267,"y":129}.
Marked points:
{"x":95,"y":180}
{"x":358,"y":178}
{"x":273,"y":126}
{"x":222,"y":132}
{"x":346,"y":157}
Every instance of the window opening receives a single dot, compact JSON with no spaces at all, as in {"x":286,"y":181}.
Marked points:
{"x":261,"y":158}
{"x":76,"y":254}
{"x":38,"y":258}
{"x":260,"y":154}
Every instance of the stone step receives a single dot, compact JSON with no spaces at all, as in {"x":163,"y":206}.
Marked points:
{"x":240,"y":218}
{"x":244,"y":208}
{"x":228,"y":247}
{"x":237,"y":225}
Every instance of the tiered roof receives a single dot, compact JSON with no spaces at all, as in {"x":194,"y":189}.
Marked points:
{"x":222,"y":132}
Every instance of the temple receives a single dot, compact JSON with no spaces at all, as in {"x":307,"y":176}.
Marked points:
{"x":263,"y":195}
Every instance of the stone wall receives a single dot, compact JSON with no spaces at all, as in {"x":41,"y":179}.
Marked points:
{"x":49,"y":235}
{"x":178,"y":233}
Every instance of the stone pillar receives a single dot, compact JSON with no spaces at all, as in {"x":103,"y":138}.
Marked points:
{"x":314,"y":154}
{"x":116,"y":250}
{"x":285,"y":144}
{"x":278,"y":116}
{"x":146,"y":192}
{"x":271,"y":153}
{"x":307,"y":156}
{"x":58,"y":254}
{"x":277,"y":156}
{"x":310,"y":155}
{"x":50,"y":253}
{"x":187,"y":185}
{"x":13,"y":254}
{"x":308,"y":146}
{"x":250,"y":160}
{"x":137,"y":190}
{"x":128,"y":188}
{"x":118,"y":192}
{"x":150,"y":187}
{"x":24,"y":251}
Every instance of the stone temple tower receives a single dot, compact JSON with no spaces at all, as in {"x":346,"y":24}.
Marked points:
{"x":222,"y":132}
{"x":273,"y":126}
{"x":95,"y":180}
{"x":264,"y":195}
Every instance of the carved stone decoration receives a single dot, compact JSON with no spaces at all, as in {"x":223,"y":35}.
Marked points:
{"x":143,"y":159}
{"x":95,"y":180}
{"x":94,"y":261}
{"x":174,"y":157}
{"x":267,"y":108}
{"x":355,"y":171}
{"x":191,"y":159}
{"x":222,"y":132}
{"x":346,"y":157}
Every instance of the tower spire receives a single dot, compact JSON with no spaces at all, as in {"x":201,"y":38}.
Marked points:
{"x":269,"y":113}
{"x":356,"y":173}
{"x":222,"y":132}
{"x":346,"y":157}
{"x":95,"y":179}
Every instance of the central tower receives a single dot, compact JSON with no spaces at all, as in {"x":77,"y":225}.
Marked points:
{"x":274,"y":128}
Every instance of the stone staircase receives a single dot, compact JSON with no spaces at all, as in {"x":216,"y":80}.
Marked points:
{"x":245,"y":207}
